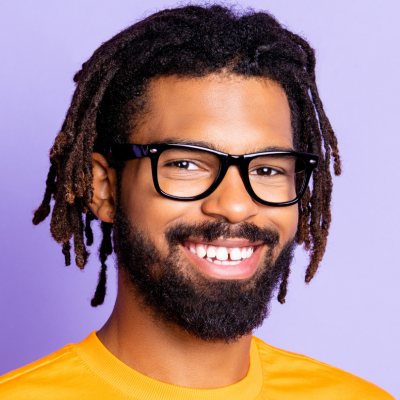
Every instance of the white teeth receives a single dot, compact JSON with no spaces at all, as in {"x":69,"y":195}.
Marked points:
{"x":236,"y":254}
{"x":200,"y":250}
{"x":211,"y":252}
{"x":222,"y":253}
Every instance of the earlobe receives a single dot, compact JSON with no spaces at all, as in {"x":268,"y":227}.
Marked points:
{"x":104,"y":181}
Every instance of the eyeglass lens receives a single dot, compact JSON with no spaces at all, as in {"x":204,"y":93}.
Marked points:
{"x":188,"y":173}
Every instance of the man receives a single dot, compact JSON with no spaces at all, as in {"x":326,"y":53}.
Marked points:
{"x":192,"y":136}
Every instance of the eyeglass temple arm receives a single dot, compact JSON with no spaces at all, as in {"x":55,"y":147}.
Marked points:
{"x":122,"y":152}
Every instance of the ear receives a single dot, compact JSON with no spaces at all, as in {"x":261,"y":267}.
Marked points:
{"x":104,"y":185}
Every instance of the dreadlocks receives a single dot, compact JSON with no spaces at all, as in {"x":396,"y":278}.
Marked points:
{"x":191,"y":41}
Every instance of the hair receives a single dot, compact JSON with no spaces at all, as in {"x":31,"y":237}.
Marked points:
{"x":191,"y":41}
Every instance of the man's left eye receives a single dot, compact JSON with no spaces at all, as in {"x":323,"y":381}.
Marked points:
{"x":264,"y":171}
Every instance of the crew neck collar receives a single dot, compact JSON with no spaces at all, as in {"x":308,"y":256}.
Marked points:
{"x":132,"y":383}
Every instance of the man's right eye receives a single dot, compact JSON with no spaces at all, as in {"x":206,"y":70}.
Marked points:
{"x":184,"y":164}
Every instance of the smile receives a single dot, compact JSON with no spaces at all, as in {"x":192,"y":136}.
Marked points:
{"x":224,"y":259}
{"x":219,"y":254}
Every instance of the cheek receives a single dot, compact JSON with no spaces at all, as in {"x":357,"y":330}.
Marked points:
{"x":285,"y":220}
{"x":150,"y":212}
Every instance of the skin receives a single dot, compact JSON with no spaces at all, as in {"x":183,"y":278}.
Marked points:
{"x":236,"y":116}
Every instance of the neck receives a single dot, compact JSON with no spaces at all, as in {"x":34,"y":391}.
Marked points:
{"x":166,"y":353}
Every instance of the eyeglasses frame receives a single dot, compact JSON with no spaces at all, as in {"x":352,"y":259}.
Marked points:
{"x":117,"y":153}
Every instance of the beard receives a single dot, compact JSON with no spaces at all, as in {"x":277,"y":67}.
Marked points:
{"x":179,"y":295}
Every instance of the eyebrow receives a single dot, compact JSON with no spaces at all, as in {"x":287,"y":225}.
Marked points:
{"x":211,"y":146}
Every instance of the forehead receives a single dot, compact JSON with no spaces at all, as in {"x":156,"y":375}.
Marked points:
{"x":232,"y":114}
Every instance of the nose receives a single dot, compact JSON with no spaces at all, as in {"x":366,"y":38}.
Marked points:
{"x":230,"y":201}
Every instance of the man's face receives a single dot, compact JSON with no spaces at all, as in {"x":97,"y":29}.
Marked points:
{"x":235,"y":116}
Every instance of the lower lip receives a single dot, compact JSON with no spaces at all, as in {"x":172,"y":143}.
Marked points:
{"x":243,"y":270}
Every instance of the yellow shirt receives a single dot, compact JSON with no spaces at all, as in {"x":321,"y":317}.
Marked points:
{"x":87,"y":370}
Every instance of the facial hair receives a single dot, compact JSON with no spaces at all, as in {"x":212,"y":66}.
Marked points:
{"x":178,"y":294}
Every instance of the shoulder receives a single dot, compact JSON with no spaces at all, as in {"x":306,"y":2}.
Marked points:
{"x":296,"y":373}
{"x":44,"y":364}
{"x":41,"y":378}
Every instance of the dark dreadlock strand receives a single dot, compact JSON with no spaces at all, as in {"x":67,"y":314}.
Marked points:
{"x":44,"y":209}
{"x":283,"y":287}
{"x":303,"y":231}
{"x":104,"y":251}
{"x":88,"y":229}
{"x":320,"y":203}
{"x":81,"y":254}
{"x":191,"y":41}
{"x":66,"y":250}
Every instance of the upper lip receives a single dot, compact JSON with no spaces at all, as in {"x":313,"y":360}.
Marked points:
{"x":225,"y":243}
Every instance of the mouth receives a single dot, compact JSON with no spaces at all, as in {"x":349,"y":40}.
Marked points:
{"x":224,"y":259}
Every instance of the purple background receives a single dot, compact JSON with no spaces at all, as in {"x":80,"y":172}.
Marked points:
{"x":348,"y":316}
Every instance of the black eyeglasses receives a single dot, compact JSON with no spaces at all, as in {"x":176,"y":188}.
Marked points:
{"x":187,"y":173}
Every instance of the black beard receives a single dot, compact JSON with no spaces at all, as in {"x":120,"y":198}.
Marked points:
{"x":178,"y":294}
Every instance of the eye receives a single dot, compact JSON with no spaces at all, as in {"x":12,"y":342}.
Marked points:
{"x":265,"y":171}
{"x":184,"y":164}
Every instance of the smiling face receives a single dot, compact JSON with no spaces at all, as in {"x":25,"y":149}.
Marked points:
{"x":225,"y":252}
{"x":230,"y":114}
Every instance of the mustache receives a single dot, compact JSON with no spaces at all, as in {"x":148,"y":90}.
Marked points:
{"x":213,"y":230}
